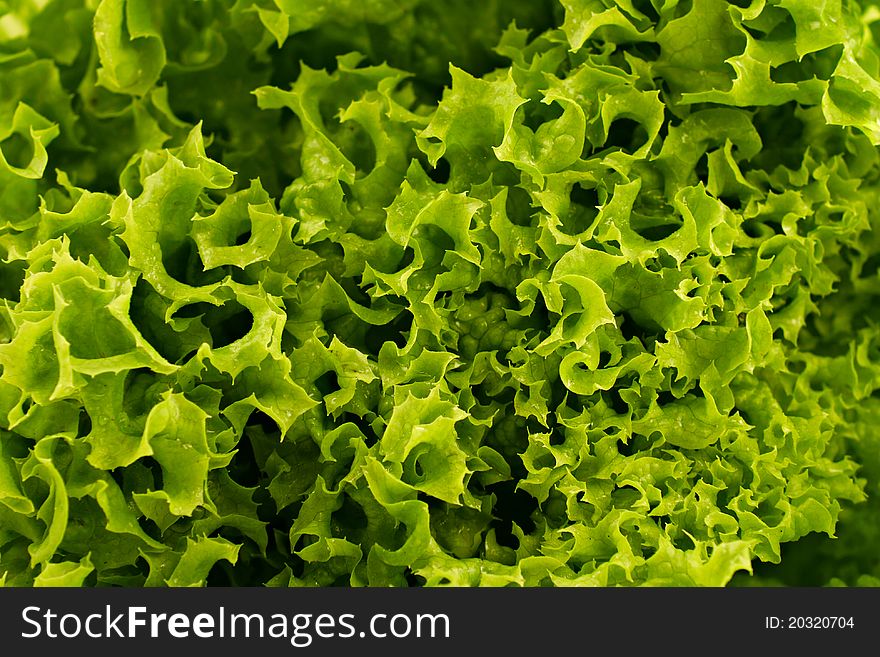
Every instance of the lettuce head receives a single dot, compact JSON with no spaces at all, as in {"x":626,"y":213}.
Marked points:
{"x":414,"y":293}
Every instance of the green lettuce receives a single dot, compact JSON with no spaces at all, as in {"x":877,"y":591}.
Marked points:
{"x":575,"y":293}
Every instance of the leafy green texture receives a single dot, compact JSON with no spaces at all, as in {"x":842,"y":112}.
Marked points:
{"x":389,"y":293}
